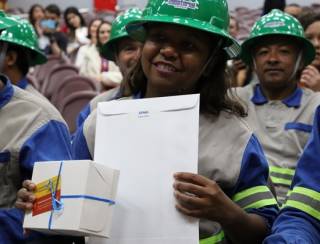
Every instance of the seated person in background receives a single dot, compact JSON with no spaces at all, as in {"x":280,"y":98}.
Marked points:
{"x":122,"y":50}
{"x":299,"y":219}
{"x":95,"y":66}
{"x":310,"y":76}
{"x":239,"y":73}
{"x":280,"y":112}
{"x":21,"y":53}
{"x":293,"y":9}
{"x":52,"y":40}
{"x":77,"y":30}
{"x":36,"y":15}
{"x":85,"y":49}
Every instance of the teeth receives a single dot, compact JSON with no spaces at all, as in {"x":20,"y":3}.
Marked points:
{"x":164,"y":67}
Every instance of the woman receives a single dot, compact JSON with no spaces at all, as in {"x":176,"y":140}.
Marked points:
{"x":310,"y":76}
{"x":77,"y":29}
{"x":184,"y":52}
{"x":92,"y":64}
{"x":92,"y":35}
{"x":36,"y":14}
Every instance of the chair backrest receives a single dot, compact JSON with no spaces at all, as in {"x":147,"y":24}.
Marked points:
{"x":56,"y":77}
{"x":70,"y":85}
{"x":41,"y":71}
{"x":72,"y":104}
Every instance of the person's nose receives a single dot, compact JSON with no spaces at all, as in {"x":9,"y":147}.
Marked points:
{"x":169,"y":51}
{"x":273,"y":56}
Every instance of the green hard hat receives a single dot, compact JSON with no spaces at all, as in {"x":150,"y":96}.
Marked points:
{"x":118,"y":31}
{"x":24,"y":35}
{"x":6,"y":21}
{"x":277,"y":23}
{"x":211,"y":16}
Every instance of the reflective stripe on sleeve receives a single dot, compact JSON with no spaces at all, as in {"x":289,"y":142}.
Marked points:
{"x":215,"y":239}
{"x":281,"y":176}
{"x":305,"y":200}
{"x":255,"y":197}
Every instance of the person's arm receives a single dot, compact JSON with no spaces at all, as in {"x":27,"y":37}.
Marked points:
{"x":200,"y":197}
{"x":246,"y":218}
{"x":51,"y":142}
{"x":84,"y":113}
{"x":299,"y":220}
{"x":294,"y":226}
{"x":83,"y":140}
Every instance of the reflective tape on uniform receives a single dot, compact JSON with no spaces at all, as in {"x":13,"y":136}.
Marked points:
{"x":281,"y":176}
{"x":305,"y":200}
{"x":215,"y":239}
{"x":255,"y":197}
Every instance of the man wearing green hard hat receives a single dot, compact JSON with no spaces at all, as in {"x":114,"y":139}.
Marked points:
{"x":122,"y":50}
{"x":280,"y":112}
{"x":21,"y":51}
{"x":31,"y":129}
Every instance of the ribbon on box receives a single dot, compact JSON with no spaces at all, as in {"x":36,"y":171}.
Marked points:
{"x":57,"y":205}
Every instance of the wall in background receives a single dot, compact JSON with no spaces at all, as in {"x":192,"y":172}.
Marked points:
{"x":25,"y":4}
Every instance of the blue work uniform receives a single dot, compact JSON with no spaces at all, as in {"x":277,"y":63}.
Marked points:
{"x":31,"y":130}
{"x":299,"y":219}
{"x":235,"y":161}
{"x":283,"y":128}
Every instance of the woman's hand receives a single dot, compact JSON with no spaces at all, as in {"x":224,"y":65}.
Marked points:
{"x":25,"y":196}
{"x":200,"y":197}
{"x":310,"y":78}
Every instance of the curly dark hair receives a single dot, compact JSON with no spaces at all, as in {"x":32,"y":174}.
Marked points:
{"x":213,"y":87}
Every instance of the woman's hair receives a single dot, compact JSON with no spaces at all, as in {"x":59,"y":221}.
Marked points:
{"x":99,"y":44}
{"x":90,"y":24}
{"x":31,"y":10}
{"x":212,"y":86}
{"x":273,"y":4}
{"x":73,"y":10}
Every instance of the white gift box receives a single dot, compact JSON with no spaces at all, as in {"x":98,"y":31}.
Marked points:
{"x":149,"y":140}
{"x":73,"y":198}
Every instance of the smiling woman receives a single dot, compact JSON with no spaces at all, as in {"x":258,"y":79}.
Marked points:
{"x":185,"y":48}
{"x":174,"y":59}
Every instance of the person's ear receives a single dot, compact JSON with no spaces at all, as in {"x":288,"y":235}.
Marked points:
{"x":11,"y":58}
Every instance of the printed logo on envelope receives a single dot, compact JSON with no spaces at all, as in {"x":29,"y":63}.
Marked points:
{"x":45,"y":192}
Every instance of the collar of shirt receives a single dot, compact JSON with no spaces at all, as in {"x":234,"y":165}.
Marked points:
{"x":294,"y":100}
{"x":23,"y":83}
{"x":7,"y":91}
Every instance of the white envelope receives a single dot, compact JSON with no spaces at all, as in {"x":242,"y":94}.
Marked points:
{"x":149,"y":140}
